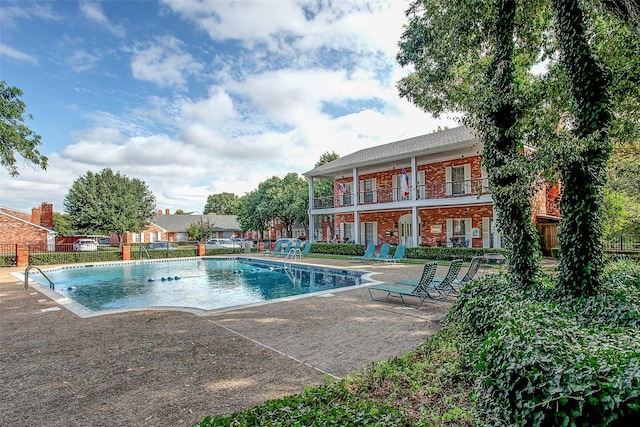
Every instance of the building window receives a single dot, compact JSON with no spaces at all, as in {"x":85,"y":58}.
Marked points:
{"x":459,"y":232}
{"x":368,"y":191}
{"x":345,"y":199}
{"x":458,"y":180}
{"x":347,"y":232}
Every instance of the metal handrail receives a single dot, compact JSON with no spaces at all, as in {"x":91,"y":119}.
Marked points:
{"x":26,"y":277}
{"x":143,"y":248}
{"x":291,"y":256}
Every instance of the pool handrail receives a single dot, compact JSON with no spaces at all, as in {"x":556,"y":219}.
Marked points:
{"x":26,"y":277}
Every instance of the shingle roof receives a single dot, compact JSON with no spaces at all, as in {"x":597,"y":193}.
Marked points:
{"x":180,"y":223}
{"x":418,"y":145}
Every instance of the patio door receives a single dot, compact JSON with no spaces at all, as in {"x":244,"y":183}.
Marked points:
{"x":405,"y":230}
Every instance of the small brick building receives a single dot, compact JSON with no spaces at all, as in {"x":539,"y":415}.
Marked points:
{"x":20,"y":228}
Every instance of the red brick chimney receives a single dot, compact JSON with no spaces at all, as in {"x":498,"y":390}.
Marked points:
{"x":167,"y":212}
{"x":47,"y":215}
{"x":35,"y":215}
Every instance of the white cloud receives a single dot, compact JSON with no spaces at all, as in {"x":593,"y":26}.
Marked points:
{"x":16,"y":54}
{"x":164,"y":63}
{"x":94,"y":12}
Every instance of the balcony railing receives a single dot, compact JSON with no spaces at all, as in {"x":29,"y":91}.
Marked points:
{"x":442,"y":190}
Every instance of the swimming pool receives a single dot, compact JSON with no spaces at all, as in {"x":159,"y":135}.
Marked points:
{"x":199,"y":283}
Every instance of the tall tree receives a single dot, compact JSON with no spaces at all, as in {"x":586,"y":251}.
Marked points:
{"x":221,"y":204}
{"x":464,"y":60}
{"x":104,"y":202}
{"x":15,"y":136}
{"x":583,"y":173}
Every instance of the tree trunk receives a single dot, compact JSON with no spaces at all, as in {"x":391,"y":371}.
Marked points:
{"x":583,"y":175}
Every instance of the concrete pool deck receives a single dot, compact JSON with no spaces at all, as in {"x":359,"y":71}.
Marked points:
{"x":168,"y":368}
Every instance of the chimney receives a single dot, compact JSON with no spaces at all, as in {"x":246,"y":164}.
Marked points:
{"x":47,"y":215}
{"x":35,"y":215}
{"x":167,"y":212}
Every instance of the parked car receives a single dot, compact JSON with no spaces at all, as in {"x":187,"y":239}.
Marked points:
{"x":159,"y":245}
{"x":220,"y":243}
{"x":85,"y":245}
{"x":240,"y":241}
{"x":105,"y":241}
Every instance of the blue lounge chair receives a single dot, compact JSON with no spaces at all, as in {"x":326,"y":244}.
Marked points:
{"x":276,"y":249}
{"x":421,"y":289}
{"x":306,"y":249}
{"x":445,"y":285}
{"x":397,"y":256}
{"x":368,"y":254}
{"x":384,"y":252}
{"x":471,"y":273}
{"x":285,"y":251}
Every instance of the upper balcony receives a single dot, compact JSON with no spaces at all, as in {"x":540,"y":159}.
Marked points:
{"x":388,"y":196}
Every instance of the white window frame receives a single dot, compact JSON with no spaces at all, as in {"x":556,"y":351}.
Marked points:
{"x":450,"y":184}
{"x":468,"y":232}
{"x":346,"y":198}
{"x":372,"y":193}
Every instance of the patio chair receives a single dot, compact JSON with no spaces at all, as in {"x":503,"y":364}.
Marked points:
{"x":421,"y":289}
{"x":397,"y":256}
{"x":306,"y":249}
{"x":445,"y":285}
{"x":275,"y":250}
{"x":471,"y":273}
{"x":383,"y":254}
{"x":368,"y":254}
{"x":285,"y":251}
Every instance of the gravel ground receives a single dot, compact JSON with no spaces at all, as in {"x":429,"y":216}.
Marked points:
{"x":172,"y":368}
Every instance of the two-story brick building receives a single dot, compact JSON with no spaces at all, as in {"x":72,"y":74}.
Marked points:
{"x":428,"y":190}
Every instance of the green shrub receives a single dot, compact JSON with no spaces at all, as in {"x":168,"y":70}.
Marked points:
{"x":347,"y":249}
{"x":541,"y":358}
{"x":327,"y":405}
{"x":447,"y":254}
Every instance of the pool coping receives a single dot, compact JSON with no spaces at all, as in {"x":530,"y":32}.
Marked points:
{"x":83,"y":312}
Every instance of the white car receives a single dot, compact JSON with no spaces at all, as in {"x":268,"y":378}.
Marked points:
{"x":220,"y":243}
{"x":85,"y":245}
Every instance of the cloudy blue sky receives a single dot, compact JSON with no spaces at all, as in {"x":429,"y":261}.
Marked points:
{"x":200,"y":97}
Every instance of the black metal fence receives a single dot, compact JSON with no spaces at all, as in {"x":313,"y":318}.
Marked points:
{"x":66,"y":253}
{"x":624,"y":243}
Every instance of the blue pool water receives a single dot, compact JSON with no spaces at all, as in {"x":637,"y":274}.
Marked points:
{"x":205,"y":284}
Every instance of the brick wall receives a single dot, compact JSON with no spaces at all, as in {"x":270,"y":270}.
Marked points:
{"x":15,"y":231}
{"x":431,"y":219}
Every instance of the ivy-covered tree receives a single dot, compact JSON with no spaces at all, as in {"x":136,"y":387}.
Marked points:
{"x":477,"y":58}
{"x":583,"y":168}
{"x":221,"y":204}
{"x":107,"y":202}
{"x":465,"y":60}
{"x":15,"y":136}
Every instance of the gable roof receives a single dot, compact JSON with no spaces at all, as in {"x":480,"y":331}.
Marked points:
{"x":180,"y":223}
{"x":419,"y":145}
{"x":11,"y":214}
